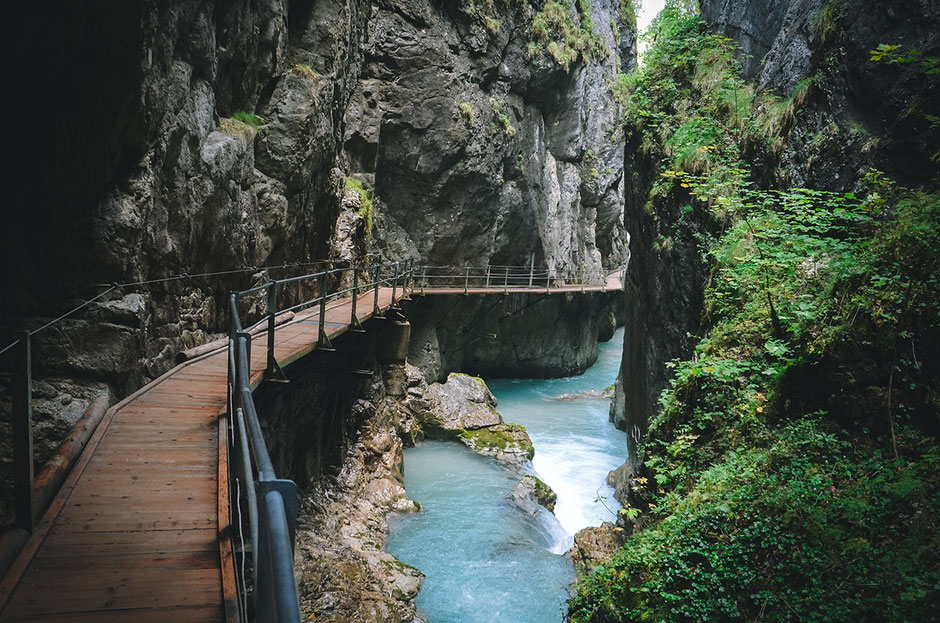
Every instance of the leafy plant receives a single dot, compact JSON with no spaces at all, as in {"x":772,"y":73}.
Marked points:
{"x":365,"y":201}
{"x":779,"y":485}
{"x":564,"y":37}
{"x":467,"y":111}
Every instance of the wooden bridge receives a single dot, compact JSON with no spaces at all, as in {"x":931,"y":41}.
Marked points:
{"x":141,"y":528}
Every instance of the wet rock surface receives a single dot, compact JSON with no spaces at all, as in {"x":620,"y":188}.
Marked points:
{"x":343,"y":572}
{"x":461,"y":404}
{"x":594,"y":546}
{"x":505,"y":335}
{"x":531,"y":494}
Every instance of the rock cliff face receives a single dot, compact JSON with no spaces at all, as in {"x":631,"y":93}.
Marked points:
{"x":852,"y":115}
{"x":480,"y":145}
{"x":505,"y":336}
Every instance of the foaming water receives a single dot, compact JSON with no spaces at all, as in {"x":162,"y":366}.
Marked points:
{"x":486,"y":560}
{"x":575,"y":443}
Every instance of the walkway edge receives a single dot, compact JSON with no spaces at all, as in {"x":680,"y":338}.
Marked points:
{"x":25,"y":557}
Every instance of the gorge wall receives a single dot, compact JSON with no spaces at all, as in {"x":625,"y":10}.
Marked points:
{"x":847,"y":116}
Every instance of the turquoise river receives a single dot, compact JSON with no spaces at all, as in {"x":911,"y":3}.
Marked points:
{"x":485,"y":559}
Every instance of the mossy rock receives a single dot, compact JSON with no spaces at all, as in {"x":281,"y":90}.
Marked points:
{"x":506,"y":442}
{"x":543,"y":494}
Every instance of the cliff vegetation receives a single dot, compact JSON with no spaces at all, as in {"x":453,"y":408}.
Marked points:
{"x":791,"y":472}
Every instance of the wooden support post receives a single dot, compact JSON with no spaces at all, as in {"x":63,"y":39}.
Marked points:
{"x":23,"y":434}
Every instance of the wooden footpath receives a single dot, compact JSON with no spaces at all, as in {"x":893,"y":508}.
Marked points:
{"x":140,"y":529}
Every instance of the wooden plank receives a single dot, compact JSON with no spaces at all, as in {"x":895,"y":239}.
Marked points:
{"x":68,"y":543}
{"x":115,"y":589}
{"x":177,"y":614}
{"x":226,"y":556}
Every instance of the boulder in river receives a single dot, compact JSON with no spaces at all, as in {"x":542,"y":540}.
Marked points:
{"x":531,"y":494}
{"x":462,"y":403}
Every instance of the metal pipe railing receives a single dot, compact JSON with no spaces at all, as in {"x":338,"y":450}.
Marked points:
{"x":272,"y":501}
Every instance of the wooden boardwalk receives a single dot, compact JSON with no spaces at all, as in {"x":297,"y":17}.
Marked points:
{"x":140,"y":529}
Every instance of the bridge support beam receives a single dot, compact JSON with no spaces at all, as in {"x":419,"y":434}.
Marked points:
{"x":392,"y":342}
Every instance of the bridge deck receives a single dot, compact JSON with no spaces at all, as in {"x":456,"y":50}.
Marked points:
{"x":134,"y":533}
{"x":611,"y":283}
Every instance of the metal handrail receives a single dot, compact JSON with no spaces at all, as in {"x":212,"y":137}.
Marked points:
{"x":507,"y":277}
{"x":272,"y":501}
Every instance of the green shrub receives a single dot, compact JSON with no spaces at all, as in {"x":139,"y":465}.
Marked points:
{"x":365,"y":201}
{"x":303,"y":69}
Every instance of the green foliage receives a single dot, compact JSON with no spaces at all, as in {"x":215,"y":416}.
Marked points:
{"x":893,"y":54}
{"x":303,"y":69}
{"x":566,"y":33}
{"x":628,"y":12}
{"x":500,"y":115}
{"x":466,"y":110}
{"x":826,"y":20}
{"x":241,"y":123}
{"x":247,"y":118}
{"x":492,"y":24}
{"x":786,"y":480}
{"x":365,"y":201}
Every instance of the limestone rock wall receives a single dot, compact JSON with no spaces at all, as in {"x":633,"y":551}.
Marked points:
{"x":512,"y":335}
{"x":481,"y":151}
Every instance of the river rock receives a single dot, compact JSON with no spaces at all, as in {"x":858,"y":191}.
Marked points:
{"x":593,"y":546}
{"x":507,"y":443}
{"x":531,"y":494}
{"x":463,"y":403}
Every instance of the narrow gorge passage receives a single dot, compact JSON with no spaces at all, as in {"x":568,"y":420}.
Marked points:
{"x":484,"y":558}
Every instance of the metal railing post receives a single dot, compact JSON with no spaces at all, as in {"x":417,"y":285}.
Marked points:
{"x":532,"y":270}
{"x":424,"y":279}
{"x":353,"y":319}
{"x":323,"y":340}
{"x":378,"y":281}
{"x":487,"y":275}
{"x":23,"y":434}
{"x":582,"y":279}
{"x":247,"y":337}
{"x":506,"y":282}
{"x":272,"y":311}
{"x":466,"y":282}
{"x":395,"y":281}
